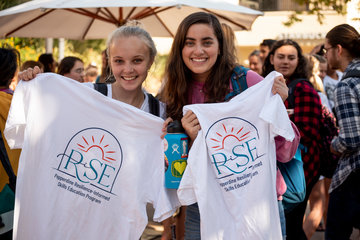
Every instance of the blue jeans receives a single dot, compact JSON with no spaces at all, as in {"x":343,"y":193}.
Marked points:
{"x":282,"y":219}
{"x":344,"y":209}
{"x":192,"y":222}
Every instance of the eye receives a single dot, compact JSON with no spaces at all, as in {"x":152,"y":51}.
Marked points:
{"x":138,"y":60}
{"x":208,"y":43}
{"x":118,"y":61}
{"x":189,"y":43}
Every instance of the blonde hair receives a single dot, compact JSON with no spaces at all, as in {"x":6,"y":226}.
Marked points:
{"x":313,"y":71}
{"x":132,"y":29}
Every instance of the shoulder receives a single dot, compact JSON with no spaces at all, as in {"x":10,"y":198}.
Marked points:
{"x":253,"y":78}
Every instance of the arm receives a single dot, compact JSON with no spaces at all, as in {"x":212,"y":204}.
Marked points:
{"x":307,"y":112}
{"x":348,"y":113}
{"x":285,"y":150}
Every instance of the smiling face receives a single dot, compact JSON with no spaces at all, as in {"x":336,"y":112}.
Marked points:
{"x":130,"y":61}
{"x":200,"y":50}
{"x":285,"y":60}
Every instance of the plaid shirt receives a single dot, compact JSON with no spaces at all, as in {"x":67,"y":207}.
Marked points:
{"x":347,"y":108}
{"x":307,"y":115}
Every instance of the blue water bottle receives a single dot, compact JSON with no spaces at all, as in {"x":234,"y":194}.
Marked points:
{"x":176,"y":152}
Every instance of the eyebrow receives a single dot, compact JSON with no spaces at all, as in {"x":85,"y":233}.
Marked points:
{"x":205,"y":38}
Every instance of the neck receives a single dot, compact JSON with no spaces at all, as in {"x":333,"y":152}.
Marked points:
{"x":134,"y":98}
{"x":344,"y":64}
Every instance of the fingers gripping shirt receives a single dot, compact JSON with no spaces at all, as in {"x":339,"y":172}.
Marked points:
{"x":232,"y":165}
{"x":89,"y":164}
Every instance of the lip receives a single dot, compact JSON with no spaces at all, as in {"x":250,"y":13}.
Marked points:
{"x":128,"y":78}
{"x":199,"y":60}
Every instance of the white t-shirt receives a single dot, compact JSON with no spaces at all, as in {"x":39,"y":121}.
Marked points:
{"x":89,"y":164}
{"x":329,"y":87}
{"x":231,"y":171}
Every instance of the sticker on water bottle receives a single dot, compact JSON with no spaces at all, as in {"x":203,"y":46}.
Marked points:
{"x":178,"y":167}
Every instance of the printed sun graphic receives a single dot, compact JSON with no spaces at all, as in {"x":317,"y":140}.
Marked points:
{"x":227,"y":133}
{"x":93,"y":145}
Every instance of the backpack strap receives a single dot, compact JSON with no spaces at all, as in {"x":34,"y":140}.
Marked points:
{"x":154,"y":105}
{"x":6,"y":164}
{"x":101,"y":87}
{"x":291,"y":86}
{"x":238,"y":81}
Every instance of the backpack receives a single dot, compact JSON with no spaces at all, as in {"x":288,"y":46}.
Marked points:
{"x":238,"y":82}
{"x":293,"y":174}
{"x":154,"y":104}
{"x":328,"y":130}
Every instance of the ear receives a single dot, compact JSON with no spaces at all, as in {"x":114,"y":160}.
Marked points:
{"x":339,"y":49}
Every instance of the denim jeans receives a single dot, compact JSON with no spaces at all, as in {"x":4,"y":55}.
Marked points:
{"x":344,"y":209}
{"x":282,"y":219}
{"x":192,"y":222}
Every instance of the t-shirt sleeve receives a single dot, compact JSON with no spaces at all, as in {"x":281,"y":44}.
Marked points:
{"x":17,"y":117}
{"x":253,"y":78}
{"x":274,"y":112}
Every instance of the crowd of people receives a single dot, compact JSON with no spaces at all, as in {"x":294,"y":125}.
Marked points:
{"x":201,"y":62}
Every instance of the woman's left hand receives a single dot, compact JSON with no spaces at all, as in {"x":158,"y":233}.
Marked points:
{"x":280,"y":87}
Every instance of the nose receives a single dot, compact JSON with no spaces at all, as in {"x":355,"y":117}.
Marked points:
{"x":199,"y":49}
{"x":128,"y":68}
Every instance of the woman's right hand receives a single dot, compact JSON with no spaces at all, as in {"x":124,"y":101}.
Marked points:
{"x":29,"y":73}
{"x":191,"y":125}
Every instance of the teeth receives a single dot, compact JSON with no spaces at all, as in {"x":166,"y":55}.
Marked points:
{"x":128,"y":78}
{"x":199,"y":59}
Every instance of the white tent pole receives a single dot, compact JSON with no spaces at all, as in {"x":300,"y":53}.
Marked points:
{"x":49,"y":42}
{"x":61,"y":48}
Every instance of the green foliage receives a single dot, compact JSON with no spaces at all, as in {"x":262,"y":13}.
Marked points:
{"x":315,"y":7}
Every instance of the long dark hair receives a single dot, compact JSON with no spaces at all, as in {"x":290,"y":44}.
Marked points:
{"x":178,"y":75}
{"x":9,"y":59}
{"x":301,"y":68}
{"x":346,"y":36}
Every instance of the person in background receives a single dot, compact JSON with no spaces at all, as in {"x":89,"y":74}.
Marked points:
{"x":330,"y":81}
{"x":91,"y":73}
{"x":48,"y":61}
{"x":31,"y":64}
{"x":286,"y":57}
{"x":198,"y":70}
{"x":255,"y":62}
{"x":72,"y":67}
{"x":230,"y":39}
{"x":342,"y":47}
{"x":265,"y":47}
{"x":9,"y":59}
{"x":317,"y":199}
{"x":322,"y":67}
{"x":105,"y":70}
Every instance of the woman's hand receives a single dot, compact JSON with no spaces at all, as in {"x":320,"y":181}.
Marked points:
{"x":165,"y":125}
{"x":29,"y":73}
{"x":191,"y":125}
{"x":280,"y":87}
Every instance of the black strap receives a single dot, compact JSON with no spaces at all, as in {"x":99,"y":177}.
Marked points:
{"x":6,"y":164}
{"x":154,"y":105}
{"x":291,"y":86}
{"x":101,"y":87}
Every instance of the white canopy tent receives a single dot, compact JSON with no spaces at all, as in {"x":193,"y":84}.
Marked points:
{"x":95,"y":19}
